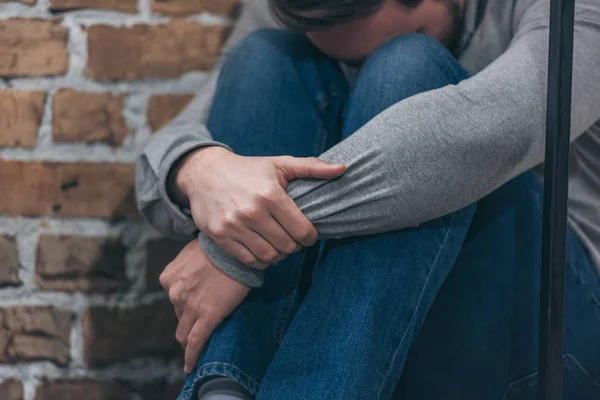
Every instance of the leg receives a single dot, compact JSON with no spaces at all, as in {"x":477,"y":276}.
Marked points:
{"x":480,"y":339}
{"x":277,"y":95}
{"x":350,"y":337}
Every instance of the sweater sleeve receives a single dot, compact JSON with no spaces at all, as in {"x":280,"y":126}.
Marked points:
{"x":407,"y":166}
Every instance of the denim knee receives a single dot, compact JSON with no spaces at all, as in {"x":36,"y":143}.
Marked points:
{"x":400,"y":68}
{"x":416,"y":57}
{"x":265,"y":50}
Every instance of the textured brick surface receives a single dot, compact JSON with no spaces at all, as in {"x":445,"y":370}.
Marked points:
{"x":163,"y":108}
{"x":11,"y":390}
{"x":114,"y":5}
{"x":151,"y":51}
{"x":189,"y":7}
{"x":24,"y":2}
{"x":72,"y":263}
{"x":82,"y":390}
{"x":159,"y":253}
{"x":88,"y":117}
{"x":20,"y":117}
{"x":32,"y":48}
{"x":65,"y":189}
{"x":82,"y":85}
{"x":9,"y":262}
{"x":112,"y":335}
{"x":34,"y":333}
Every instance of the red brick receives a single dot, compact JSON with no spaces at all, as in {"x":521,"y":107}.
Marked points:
{"x":82,"y":389}
{"x":21,"y":1}
{"x":32,"y":47}
{"x":113,"y":5}
{"x":34,"y":333}
{"x":20,"y":117}
{"x":88,"y":117}
{"x":9,"y":262}
{"x":67,"y":189}
{"x":189,"y":7}
{"x":159,"y":253}
{"x":72,"y":263}
{"x":113,"y":335}
{"x":11,"y":390}
{"x":163,"y":108}
{"x":152,"y":51}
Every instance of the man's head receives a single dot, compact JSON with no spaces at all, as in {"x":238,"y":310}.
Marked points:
{"x":350,"y":30}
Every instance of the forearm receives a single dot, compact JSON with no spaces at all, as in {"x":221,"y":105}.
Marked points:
{"x":440,"y":151}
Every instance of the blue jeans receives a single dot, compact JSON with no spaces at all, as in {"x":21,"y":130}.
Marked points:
{"x":448,"y":310}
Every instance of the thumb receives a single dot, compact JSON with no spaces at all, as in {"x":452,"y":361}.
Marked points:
{"x":294,"y":168}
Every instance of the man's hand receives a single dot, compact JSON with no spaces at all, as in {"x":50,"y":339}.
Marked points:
{"x":203,"y":297}
{"x":241,"y":203}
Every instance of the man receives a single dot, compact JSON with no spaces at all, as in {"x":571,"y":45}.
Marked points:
{"x":427,"y":117}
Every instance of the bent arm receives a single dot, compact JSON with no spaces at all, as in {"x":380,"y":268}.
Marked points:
{"x":406,"y":167}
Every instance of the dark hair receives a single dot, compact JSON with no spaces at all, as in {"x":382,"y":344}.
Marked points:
{"x":312,"y":15}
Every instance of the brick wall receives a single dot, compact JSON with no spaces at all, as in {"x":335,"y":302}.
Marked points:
{"x":83,"y":84}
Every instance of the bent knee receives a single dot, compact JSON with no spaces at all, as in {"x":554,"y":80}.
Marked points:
{"x":414,"y":56}
{"x":266,"y":46}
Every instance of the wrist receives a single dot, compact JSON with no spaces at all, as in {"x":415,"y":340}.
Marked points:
{"x":184,"y":174}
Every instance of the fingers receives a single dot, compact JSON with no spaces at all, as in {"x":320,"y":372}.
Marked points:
{"x":178,"y":311}
{"x":183,"y":329}
{"x":277,"y":236}
{"x":262,"y":250}
{"x":196,"y":340}
{"x":289,"y":216}
{"x":294,"y":168}
{"x":185,"y":257}
{"x":241,"y":253}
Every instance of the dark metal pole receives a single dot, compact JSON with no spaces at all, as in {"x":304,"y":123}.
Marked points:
{"x":556,"y":181}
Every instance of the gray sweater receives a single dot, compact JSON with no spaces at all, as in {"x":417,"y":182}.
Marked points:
{"x":433,"y":153}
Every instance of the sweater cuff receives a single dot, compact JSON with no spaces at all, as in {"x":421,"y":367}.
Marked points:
{"x":231,"y":267}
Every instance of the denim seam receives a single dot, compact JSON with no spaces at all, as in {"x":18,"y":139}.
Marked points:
{"x":412,"y":320}
{"x":532,"y":375}
{"x":588,"y":289}
{"x":283,"y":314}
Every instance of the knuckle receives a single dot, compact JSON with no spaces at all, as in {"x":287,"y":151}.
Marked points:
{"x":217,"y":230}
{"x":230,"y":219}
{"x":249,"y":212}
{"x":304,"y":234}
{"x":175,"y":296}
{"x":164,"y":280}
{"x":268,"y":194}
{"x":181,"y":339}
{"x":290,"y":248}
{"x":270,"y":256}
{"x":193,"y":340}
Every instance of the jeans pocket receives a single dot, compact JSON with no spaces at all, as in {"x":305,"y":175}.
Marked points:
{"x":578,"y":384}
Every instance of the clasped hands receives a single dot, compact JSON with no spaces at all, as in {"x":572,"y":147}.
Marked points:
{"x":240,"y":203}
